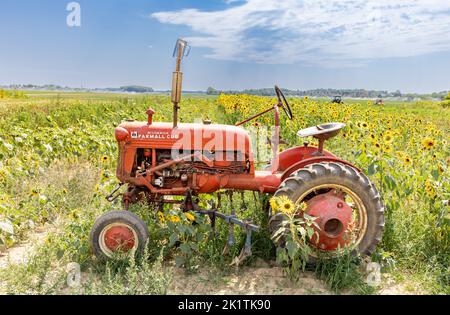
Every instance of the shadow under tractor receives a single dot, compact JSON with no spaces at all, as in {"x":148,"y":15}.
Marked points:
{"x":160,"y":160}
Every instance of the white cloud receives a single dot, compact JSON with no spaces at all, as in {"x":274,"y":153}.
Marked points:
{"x":325,"y":32}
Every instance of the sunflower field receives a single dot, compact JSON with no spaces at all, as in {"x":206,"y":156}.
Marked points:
{"x":58,"y":159}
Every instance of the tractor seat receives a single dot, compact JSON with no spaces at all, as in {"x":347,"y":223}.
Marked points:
{"x":323,"y":131}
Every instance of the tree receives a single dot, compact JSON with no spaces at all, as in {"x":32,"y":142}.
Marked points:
{"x":211,"y":91}
{"x":446,"y":100}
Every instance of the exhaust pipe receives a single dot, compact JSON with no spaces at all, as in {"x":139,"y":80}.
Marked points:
{"x":181,"y":50}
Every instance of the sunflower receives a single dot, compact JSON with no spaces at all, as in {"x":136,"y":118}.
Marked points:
{"x":387,"y":148}
{"x":407,"y":160}
{"x":34,"y":192}
{"x":431,"y":192}
{"x":286,"y":205}
{"x":273,"y":203}
{"x":388,"y":138}
{"x":104,"y":158}
{"x":161,"y":217}
{"x":372,"y":136}
{"x":377,"y":146}
{"x":364,"y":125}
{"x":428,"y":143}
{"x":190,"y":216}
{"x":173,"y":218}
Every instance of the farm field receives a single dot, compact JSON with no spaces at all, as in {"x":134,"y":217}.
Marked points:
{"x":57,"y":163}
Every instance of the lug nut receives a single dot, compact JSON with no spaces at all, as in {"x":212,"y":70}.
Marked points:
{"x":340,"y":205}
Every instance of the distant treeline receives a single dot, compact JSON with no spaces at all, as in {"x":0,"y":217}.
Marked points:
{"x":360,"y":93}
{"x":53,"y":87}
{"x":351,"y":93}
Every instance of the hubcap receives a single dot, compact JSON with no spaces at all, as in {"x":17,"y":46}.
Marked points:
{"x":341,"y":216}
{"x":118,"y":238}
{"x":333,"y":217}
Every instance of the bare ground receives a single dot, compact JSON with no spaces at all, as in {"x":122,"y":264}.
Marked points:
{"x":261,"y":279}
{"x":20,"y":253}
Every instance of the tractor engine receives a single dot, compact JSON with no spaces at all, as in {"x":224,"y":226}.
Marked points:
{"x":179,"y":174}
{"x":167,"y":160}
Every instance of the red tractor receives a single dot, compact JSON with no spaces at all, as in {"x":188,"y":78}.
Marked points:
{"x":160,"y":160}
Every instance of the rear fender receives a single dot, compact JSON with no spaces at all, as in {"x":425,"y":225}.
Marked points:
{"x":294,"y":155}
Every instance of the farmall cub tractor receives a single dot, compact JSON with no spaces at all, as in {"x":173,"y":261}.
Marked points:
{"x":160,"y":160}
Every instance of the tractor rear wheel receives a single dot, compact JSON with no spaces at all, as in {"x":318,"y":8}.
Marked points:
{"x":348,"y":207}
{"x":118,"y":233}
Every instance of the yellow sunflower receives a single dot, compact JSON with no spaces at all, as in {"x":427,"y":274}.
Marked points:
{"x":387,"y":148}
{"x":388,"y":138}
{"x":161,"y":217}
{"x":273,"y":203}
{"x":173,"y":218}
{"x":428,"y":143}
{"x":286,"y":205}
{"x":429,"y":188}
{"x":104,"y":158}
{"x":190,"y":216}
{"x":407,"y":160}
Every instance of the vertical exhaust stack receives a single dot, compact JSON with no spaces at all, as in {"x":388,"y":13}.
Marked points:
{"x":181,"y":50}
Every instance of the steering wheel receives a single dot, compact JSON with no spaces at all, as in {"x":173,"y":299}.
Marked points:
{"x":283,"y":103}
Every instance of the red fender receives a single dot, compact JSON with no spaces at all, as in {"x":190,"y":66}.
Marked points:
{"x":294,"y":155}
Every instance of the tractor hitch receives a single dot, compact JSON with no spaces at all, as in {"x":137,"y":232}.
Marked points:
{"x":113,"y":196}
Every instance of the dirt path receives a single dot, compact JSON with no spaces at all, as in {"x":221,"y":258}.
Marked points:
{"x":20,"y":253}
{"x":262,"y":279}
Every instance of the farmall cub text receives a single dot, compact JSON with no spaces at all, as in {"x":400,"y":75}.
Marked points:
{"x":160,"y":160}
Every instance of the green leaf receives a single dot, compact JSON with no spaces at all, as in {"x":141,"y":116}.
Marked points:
{"x":373,"y":168}
{"x":173,"y":239}
{"x":292,"y":248}
{"x":435,"y":174}
{"x":390,"y":182}
{"x":185,"y":249}
{"x":59,"y":254}
{"x":179,"y":261}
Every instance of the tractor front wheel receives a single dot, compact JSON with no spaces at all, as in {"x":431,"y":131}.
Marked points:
{"x":347,"y":207}
{"x":118,"y":233}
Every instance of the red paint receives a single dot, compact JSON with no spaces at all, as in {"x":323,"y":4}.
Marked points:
{"x":201,"y":139}
{"x":119,"y":238}
{"x":333,"y":217}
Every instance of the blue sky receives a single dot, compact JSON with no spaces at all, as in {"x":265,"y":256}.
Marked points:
{"x":237,"y":44}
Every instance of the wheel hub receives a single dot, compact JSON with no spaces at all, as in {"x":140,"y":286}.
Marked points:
{"x":119,"y":238}
{"x":333,"y":217}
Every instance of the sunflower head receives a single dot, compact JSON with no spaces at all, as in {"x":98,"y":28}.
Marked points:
{"x":429,"y":188}
{"x":428,"y":143}
{"x":189,"y":216}
{"x":161,"y":217}
{"x":173,"y":218}
{"x":407,"y":160}
{"x":388,"y":138}
{"x":104,"y":158}
{"x":286,"y":205}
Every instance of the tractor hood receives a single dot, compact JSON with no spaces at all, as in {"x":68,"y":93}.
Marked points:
{"x":193,"y":136}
